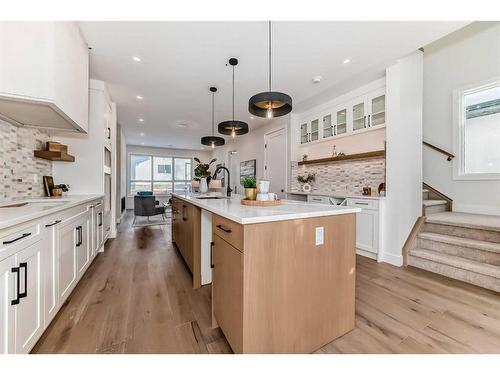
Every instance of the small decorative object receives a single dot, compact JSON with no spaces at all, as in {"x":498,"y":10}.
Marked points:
{"x":248,"y":202}
{"x":306,"y":181}
{"x":262,"y":196}
{"x":334,"y":153}
{"x":304,"y":157}
{"x":57,"y":192}
{"x":367,"y":190}
{"x":203,"y":185}
{"x":48,"y":183}
{"x":263,"y":186}
{"x":381,"y":189}
{"x":341,"y":154}
{"x":195,"y":183}
{"x":250,"y":185}
{"x":247,"y":169}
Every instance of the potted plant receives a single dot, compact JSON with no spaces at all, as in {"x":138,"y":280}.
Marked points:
{"x":250,"y":185}
{"x":202,"y":174}
{"x":306,"y":181}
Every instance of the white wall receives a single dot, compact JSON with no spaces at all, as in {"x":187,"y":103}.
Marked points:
{"x":131,"y":149}
{"x":403,"y":156}
{"x":251,"y":146}
{"x":464,"y":57}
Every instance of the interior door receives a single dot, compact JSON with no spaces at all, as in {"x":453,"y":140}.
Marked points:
{"x":275,"y":161}
{"x":7,"y":291}
{"x":28,"y":313}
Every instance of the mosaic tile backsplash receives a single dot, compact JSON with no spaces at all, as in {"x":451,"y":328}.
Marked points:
{"x":341,"y":178}
{"x":20,"y":172}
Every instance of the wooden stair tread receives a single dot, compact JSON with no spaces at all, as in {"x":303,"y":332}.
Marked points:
{"x":457,"y":262}
{"x":433,"y":202}
{"x":465,"y":220}
{"x":461,"y":241}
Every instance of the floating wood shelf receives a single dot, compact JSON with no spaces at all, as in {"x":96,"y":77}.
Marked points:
{"x":54,"y":155}
{"x":364,"y":155}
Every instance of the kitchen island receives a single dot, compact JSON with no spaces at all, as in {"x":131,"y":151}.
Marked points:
{"x":283,"y":277}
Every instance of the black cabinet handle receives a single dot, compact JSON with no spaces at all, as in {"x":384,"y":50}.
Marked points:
{"x":25,"y":293}
{"x":221,"y":227}
{"x":212,"y":254}
{"x":77,"y":236}
{"x":109,"y":133}
{"x":183,"y":212}
{"x":15,"y":301}
{"x":24,"y":235}
{"x":81,"y":235}
{"x":54,"y":223}
{"x":100,"y":219}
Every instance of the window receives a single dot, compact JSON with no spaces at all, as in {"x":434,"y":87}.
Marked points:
{"x":159,"y":174}
{"x":478,"y":132}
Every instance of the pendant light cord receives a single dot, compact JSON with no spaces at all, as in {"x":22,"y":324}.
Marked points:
{"x":269,"y":56}
{"x":233,"y":92}
{"x":213,"y":118}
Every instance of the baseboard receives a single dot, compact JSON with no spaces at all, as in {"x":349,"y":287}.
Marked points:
{"x":476,"y":209}
{"x":366,"y":254}
{"x":395,"y":260}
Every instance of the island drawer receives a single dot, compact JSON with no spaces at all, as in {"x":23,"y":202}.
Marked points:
{"x":228,"y":230}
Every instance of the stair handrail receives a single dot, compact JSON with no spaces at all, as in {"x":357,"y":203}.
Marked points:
{"x":448,"y":154}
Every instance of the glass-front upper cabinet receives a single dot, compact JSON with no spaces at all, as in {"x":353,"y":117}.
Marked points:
{"x":358,"y":116}
{"x":377,"y":111}
{"x":314,"y":130}
{"x":304,"y":135}
{"x":341,"y":127}
{"x":327,"y":126}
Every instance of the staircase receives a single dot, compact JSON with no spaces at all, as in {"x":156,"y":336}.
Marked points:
{"x":433,"y":201}
{"x":461,"y":246}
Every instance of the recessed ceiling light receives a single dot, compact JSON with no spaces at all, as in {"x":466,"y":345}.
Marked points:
{"x":182,"y":125}
{"x":139,"y":97}
{"x":140,"y":119}
{"x":142,"y":134}
{"x":317,"y":79}
{"x":347,"y":61}
{"x":136,"y":58}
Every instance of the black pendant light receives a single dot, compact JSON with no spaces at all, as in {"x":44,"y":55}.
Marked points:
{"x":271,"y":103}
{"x":213,"y":140}
{"x":233,"y":127}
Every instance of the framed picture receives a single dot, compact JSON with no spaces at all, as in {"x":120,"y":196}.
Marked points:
{"x":48,"y":183}
{"x":247,"y":168}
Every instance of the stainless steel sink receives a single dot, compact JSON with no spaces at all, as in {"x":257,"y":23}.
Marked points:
{"x":211,"y":197}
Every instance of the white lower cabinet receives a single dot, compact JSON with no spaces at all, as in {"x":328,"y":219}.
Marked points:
{"x":6,"y":309}
{"x":28,"y":313}
{"x":368,"y":231}
{"x":40,"y":264}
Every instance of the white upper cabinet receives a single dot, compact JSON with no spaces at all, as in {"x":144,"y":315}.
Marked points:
{"x":44,"y":75}
{"x":354,"y":116}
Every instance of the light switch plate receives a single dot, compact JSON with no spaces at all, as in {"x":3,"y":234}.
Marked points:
{"x":320,"y":236}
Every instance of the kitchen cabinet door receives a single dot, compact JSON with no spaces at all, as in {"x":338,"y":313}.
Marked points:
{"x":359,"y":114}
{"x":314,"y":130}
{"x":304,"y":133}
{"x":341,"y":121}
{"x":50,"y":269}
{"x":67,"y":272}
{"x":327,"y":126}
{"x":7,"y":294}
{"x":227,"y":289}
{"x":29,"y":312}
{"x":367,"y":230}
{"x":377,"y":109}
{"x":82,"y":246}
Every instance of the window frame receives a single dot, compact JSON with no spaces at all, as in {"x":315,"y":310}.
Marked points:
{"x":459,"y":122}
{"x":152,"y":181}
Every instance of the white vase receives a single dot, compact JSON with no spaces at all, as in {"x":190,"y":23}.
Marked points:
{"x":203,"y":185}
{"x":306,"y":188}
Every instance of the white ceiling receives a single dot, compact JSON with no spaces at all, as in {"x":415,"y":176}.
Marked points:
{"x":181,"y":60}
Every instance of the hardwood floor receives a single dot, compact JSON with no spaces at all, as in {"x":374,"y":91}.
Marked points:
{"x":137,"y":297}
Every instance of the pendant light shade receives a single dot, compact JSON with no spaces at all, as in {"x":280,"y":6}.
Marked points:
{"x":213,"y":140}
{"x":233,"y":127}
{"x":270,"y":104}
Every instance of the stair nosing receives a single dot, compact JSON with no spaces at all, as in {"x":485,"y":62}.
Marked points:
{"x":444,"y":259}
{"x":493,"y":247}
{"x":433,"y":202}
{"x":430,"y":220}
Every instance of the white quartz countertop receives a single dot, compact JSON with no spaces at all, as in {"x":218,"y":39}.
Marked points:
{"x":376,"y":197}
{"x":38,"y":207}
{"x":233,"y":210}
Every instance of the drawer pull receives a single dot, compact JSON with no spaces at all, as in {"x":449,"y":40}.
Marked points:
{"x":25,"y":293}
{"x":212,"y":254}
{"x":24,"y":235}
{"x":223,"y":228}
{"x":15,"y":301}
{"x":361,"y":204}
{"x":54,"y":223}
